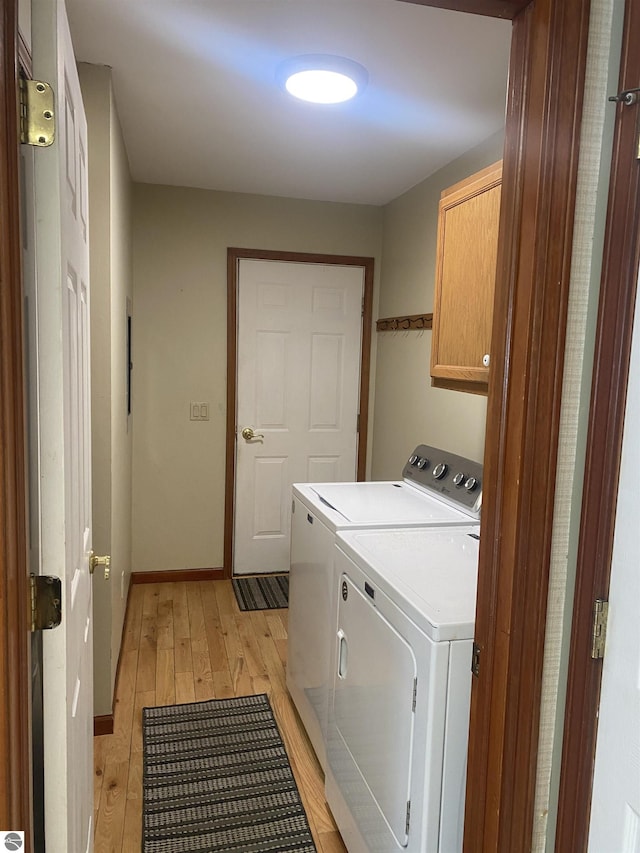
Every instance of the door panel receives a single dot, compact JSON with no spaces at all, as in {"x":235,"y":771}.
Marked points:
{"x":298,"y":384}
{"x":63,"y":400}
{"x":270,"y":485}
{"x":322,"y":469}
{"x":271,"y":379}
{"x":325,"y":381}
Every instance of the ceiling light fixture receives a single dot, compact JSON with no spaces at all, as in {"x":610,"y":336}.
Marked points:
{"x":322,"y":79}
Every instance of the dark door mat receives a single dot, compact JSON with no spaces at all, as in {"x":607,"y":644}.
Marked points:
{"x":217,"y":778}
{"x":262,"y":592}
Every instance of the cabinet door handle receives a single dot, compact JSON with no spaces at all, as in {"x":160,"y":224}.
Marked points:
{"x":486,"y":358}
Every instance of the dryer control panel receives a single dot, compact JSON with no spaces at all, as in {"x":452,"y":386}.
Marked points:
{"x":454,"y":479}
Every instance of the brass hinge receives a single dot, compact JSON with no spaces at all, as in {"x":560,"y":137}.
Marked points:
{"x":37,"y":121}
{"x":45,"y":602}
{"x":475,"y":660}
{"x":358,"y":423}
{"x":599,"y":630}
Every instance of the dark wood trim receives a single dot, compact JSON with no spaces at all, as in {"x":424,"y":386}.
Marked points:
{"x":103,"y":725}
{"x":233,"y":256}
{"x":536,"y":227}
{"x":177,"y":576}
{"x":365,"y":366}
{"x":491,"y":8}
{"x":232,"y":372}
{"x":604,"y":445}
{"x":15,"y":734}
{"x":300,"y":257}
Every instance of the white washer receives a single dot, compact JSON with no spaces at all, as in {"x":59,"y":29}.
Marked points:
{"x":399,"y":706}
{"x":437,"y":489}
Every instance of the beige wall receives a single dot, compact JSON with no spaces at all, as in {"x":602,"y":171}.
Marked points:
{"x":408,"y":410}
{"x":111,"y":285}
{"x":179,"y":348}
{"x":121,"y":424}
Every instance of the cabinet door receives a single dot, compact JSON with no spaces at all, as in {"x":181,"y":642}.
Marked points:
{"x":465,"y":281}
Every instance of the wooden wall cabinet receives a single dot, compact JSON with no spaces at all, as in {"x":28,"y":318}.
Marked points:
{"x":465,"y":281}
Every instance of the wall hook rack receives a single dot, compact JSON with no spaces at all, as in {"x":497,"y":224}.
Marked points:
{"x":405,"y":323}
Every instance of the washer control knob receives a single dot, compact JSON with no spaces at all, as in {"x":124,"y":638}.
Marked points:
{"x":440,"y":470}
{"x":422,"y":463}
{"x":471,"y":484}
{"x":413,"y":459}
{"x":459,"y":478}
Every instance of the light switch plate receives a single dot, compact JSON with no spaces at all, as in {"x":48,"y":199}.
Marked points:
{"x":199,"y":411}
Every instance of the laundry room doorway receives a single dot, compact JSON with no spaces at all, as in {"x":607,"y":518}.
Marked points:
{"x":298,"y":380}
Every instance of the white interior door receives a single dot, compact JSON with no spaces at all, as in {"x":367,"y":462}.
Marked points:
{"x":615,"y":809}
{"x":298,"y":380}
{"x":62,"y":282}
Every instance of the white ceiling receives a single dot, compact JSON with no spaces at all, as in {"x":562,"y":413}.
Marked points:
{"x":194,"y":84}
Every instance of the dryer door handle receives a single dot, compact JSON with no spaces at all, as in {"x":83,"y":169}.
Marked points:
{"x":343,"y":652}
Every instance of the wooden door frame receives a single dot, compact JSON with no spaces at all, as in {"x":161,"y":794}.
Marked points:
{"x":233,"y":256}
{"x":544,"y":111}
{"x":621,"y":258}
{"x":15,"y":754}
{"x":540,"y":164}
{"x":491,"y":8}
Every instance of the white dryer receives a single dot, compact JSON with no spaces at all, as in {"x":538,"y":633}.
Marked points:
{"x":437,"y":489}
{"x":399,"y":703}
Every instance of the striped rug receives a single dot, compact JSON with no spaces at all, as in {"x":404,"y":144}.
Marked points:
{"x":217,"y":780}
{"x":262,"y":592}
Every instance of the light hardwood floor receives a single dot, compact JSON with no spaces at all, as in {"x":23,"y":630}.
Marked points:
{"x":187,"y":642}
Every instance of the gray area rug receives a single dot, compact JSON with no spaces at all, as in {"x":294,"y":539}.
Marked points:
{"x":263,"y":592}
{"x":217,"y":779}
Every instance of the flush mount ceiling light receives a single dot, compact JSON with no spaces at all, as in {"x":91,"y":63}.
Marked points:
{"x":322,"y":79}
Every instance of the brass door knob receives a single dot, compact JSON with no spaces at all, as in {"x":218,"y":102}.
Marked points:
{"x":247,"y":433}
{"x":100,"y":561}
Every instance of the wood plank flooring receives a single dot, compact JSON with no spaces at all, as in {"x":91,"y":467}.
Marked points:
{"x":187,"y":642}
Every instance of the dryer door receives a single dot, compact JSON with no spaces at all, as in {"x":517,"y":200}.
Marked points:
{"x":373,"y":715}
